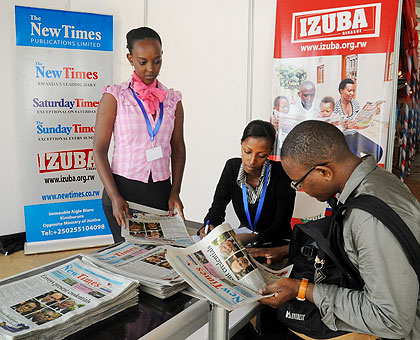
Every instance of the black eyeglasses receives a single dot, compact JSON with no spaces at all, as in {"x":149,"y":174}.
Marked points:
{"x":296,"y":184}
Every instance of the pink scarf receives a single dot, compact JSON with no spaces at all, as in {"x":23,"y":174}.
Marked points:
{"x":149,"y":94}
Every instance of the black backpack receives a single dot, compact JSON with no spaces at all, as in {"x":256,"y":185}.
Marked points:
{"x":317,"y":252}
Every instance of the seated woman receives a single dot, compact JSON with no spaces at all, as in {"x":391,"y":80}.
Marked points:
{"x":259,"y":190}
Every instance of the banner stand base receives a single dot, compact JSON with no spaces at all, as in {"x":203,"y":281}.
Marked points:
{"x":67,"y":244}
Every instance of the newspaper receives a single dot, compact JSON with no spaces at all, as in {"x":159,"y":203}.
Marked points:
{"x":58,"y":302}
{"x":219,"y":268}
{"x":143,"y":262}
{"x":363,"y":118}
{"x":152,"y":226}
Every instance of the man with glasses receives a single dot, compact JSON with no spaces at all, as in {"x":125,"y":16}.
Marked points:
{"x":307,"y":107}
{"x":317,"y":159}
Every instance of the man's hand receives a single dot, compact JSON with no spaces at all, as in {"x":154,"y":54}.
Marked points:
{"x":284,"y":289}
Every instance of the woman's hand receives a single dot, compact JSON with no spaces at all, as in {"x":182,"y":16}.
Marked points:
{"x":177,"y":161}
{"x":203,"y":231}
{"x":245,"y":238}
{"x":175,"y":202}
{"x":348,"y":124}
{"x":272,"y":255}
{"x":120,"y":210}
{"x":351,"y":124}
{"x":284,"y":289}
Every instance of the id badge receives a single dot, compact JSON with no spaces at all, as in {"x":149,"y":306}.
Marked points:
{"x":154,"y":153}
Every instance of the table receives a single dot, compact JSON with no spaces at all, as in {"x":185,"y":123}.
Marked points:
{"x":177,"y":317}
{"x":193,"y":323}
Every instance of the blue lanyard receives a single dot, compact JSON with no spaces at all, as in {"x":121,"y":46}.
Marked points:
{"x":260,"y":203}
{"x":152,"y":133}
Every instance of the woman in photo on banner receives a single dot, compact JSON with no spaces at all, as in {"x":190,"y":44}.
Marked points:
{"x":146,"y":119}
{"x":347,"y":108}
{"x":259,"y":190}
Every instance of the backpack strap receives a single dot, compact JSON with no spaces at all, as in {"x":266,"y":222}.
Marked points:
{"x":384,"y":213}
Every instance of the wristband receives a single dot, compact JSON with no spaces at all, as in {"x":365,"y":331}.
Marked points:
{"x":302,"y":290}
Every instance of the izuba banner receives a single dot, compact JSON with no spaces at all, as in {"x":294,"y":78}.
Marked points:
{"x":63,"y":61}
{"x":335,"y":62}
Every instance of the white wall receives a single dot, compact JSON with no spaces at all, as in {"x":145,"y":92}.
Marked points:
{"x":205,"y":56}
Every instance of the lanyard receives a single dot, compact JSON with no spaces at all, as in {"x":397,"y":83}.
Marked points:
{"x":152,"y":133}
{"x":260,"y":203}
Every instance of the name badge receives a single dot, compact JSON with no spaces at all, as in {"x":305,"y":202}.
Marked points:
{"x":154,"y":153}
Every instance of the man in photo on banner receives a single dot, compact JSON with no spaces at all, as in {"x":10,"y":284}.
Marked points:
{"x":306,"y":107}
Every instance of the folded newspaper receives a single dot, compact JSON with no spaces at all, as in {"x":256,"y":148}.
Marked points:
{"x":145,"y":263}
{"x":152,"y":226}
{"x":366,"y":115}
{"x":53,"y":302}
{"x":219,"y":268}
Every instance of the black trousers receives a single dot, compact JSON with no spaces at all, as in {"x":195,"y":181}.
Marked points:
{"x":271,"y":328}
{"x":151,"y":194}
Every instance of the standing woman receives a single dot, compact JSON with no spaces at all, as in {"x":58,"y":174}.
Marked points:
{"x":146,"y":119}
{"x":258,"y":188}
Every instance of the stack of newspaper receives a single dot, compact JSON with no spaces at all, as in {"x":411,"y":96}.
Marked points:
{"x":219,"y":268}
{"x":145,"y":263}
{"x":55,"y":301}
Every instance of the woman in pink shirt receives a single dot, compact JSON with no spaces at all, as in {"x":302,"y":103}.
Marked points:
{"x":146,"y":119}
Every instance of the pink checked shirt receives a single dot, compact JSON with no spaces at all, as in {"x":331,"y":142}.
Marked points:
{"x":131,"y":139}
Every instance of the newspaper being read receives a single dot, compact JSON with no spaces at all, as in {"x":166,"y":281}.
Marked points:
{"x":219,"y":268}
{"x":366,"y":115}
{"x":57,"y":302}
{"x":143,"y":262}
{"x":152,"y":226}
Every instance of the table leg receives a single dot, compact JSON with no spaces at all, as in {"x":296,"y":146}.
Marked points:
{"x":218,"y":323}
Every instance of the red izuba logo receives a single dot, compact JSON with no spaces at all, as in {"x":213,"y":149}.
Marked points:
{"x":352,"y":22}
{"x":65,"y":160}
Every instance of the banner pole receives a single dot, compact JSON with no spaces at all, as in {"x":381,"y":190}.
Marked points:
{"x":392,"y":115}
{"x":250,"y":60}
{"x":146,"y":12}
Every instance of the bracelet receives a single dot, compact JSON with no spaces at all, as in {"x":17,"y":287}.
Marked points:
{"x":302,"y":290}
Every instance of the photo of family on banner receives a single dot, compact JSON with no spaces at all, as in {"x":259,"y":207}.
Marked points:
{"x":336,"y":68}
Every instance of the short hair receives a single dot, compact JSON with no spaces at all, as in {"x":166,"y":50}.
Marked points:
{"x":260,"y":129}
{"x":327,"y":100}
{"x":141,"y":33}
{"x":344,"y":82}
{"x":36,"y":303}
{"x":313,"y":142}
{"x":306,"y":83}
{"x":277,"y":100}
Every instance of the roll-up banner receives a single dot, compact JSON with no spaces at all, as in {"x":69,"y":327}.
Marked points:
{"x":334,"y":61}
{"x":64,"y":59}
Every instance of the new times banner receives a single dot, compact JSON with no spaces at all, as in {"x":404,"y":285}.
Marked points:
{"x":335,"y":62}
{"x":64,"y":59}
